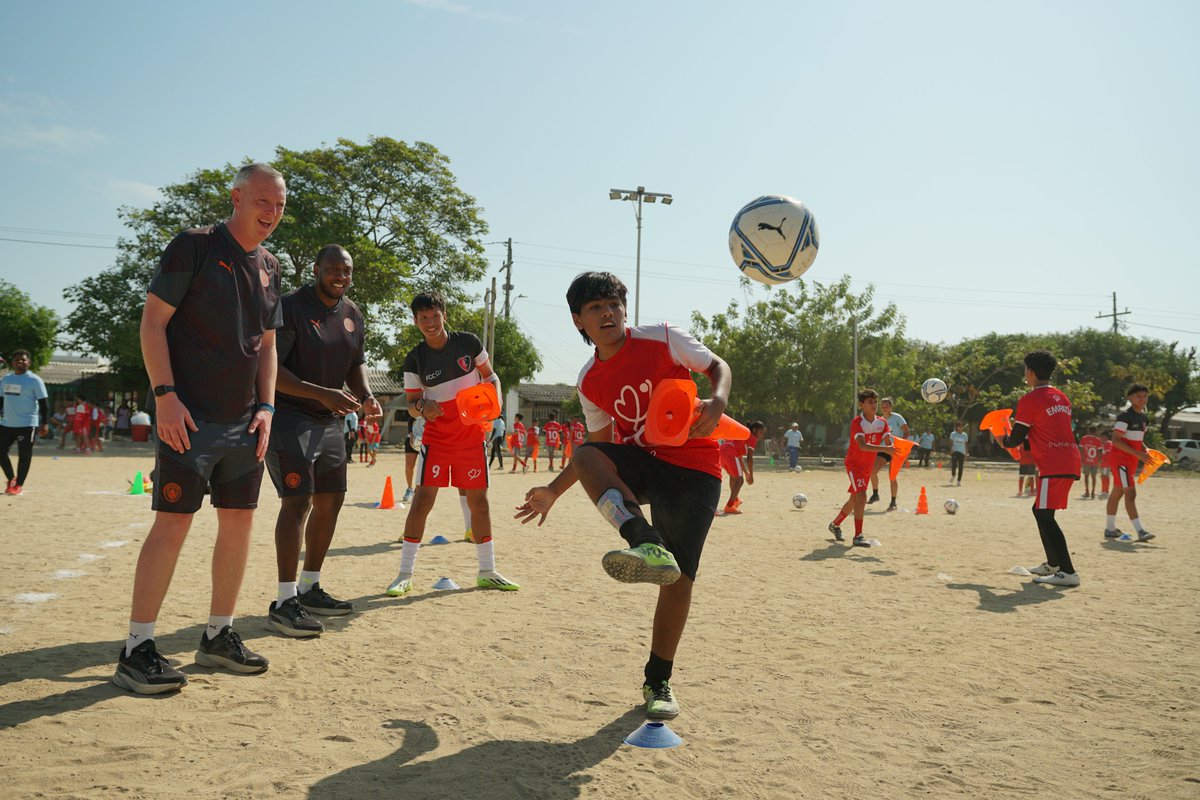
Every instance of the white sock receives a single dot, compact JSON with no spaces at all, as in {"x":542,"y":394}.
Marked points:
{"x":1110,"y":522}
{"x":487,"y":555}
{"x":216,"y":625}
{"x":408,"y":556}
{"x":466,"y":509}
{"x":287,"y":590}
{"x":308,"y":580}
{"x":1137,"y":524}
{"x":138,"y":633}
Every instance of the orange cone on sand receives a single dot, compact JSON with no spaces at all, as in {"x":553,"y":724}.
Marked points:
{"x":922,"y":503}
{"x":389,"y":499}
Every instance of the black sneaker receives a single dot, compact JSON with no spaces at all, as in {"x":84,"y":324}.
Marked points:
{"x":874,"y":498}
{"x":228,"y":651}
{"x":292,"y":619}
{"x":144,"y":671}
{"x":859,"y":541}
{"x":837,"y":532}
{"x":318,"y":601}
{"x":892,"y":506}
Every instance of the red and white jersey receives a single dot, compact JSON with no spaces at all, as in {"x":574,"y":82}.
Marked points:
{"x":83,"y":414}
{"x":874,"y":431}
{"x":553,"y":430}
{"x":1106,"y":459}
{"x":618,"y":390}
{"x":733,"y":448}
{"x":1047,"y":412}
{"x":520,"y":432}
{"x":439,"y":375}
{"x":1091,"y":447}
{"x":373,"y":436}
{"x":578,"y":433}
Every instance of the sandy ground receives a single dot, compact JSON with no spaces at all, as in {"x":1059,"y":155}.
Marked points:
{"x":919,"y":668}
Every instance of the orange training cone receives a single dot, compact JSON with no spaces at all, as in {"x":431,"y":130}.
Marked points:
{"x":922,"y":503}
{"x":672,"y":410}
{"x":389,"y":499}
{"x":1157,"y":459}
{"x":902,"y":447}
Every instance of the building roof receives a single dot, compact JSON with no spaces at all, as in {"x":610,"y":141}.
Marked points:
{"x":545,"y":392}
{"x":383,"y":383}
{"x":63,"y":369}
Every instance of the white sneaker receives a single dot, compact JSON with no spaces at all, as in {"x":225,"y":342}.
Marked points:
{"x":408,"y":493}
{"x":401,"y":586}
{"x":1059,"y":579}
{"x":1044,"y":569}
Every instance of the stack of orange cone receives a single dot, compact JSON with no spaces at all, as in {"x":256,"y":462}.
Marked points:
{"x":922,"y":503}
{"x":389,"y":499}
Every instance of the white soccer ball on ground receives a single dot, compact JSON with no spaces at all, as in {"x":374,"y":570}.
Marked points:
{"x":774,"y":239}
{"x":951,"y":506}
{"x":934,"y":390}
{"x":799,"y":500}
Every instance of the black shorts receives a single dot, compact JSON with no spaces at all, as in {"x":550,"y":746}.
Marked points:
{"x":887,"y":457}
{"x":222,"y":457}
{"x":682,"y":501}
{"x":306,"y":456}
{"x":408,"y":448}
{"x":1027,"y":469}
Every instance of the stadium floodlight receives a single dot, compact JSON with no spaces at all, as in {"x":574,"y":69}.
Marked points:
{"x":640,"y":194}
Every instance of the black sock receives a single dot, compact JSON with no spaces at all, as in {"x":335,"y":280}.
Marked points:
{"x":658,"y":670}
{"x":1054,"y":542}
{"x":637,"y":531}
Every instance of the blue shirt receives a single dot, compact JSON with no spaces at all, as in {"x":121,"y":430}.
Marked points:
{"x":498,"y":428}
{"x":926,"y":441}
{"x":896,"y":424}
{"x":21,"y":394}
{"x":958,"y":442}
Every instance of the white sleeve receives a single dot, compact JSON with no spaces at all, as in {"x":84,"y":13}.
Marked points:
{"x":687,"y":350}
{"x":593,"y":414}
{"x":1121,"y":425}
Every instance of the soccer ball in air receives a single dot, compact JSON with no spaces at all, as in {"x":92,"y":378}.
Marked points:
{"x":951,"y":506}
{"x":799,"y":500}
{"x":934,"y":390}
{"x":774,"y":239}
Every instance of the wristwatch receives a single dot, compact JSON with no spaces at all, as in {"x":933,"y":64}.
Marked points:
{"x":163,"y":389}
{"x":420,"y":406}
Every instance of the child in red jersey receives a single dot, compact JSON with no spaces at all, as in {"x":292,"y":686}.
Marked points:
{"x":554,"y":431}
{"x":1090,"y":450}
{"x":737,"y":461}
{"x":620,"y":470}
{"x":1128,"y":453}
{"x":577,"y":438}
{"x":1105,"y":467}
{"x":868,"y":437}
{"x":517,"y":442}
{"x":1043,"y":418}
{"x":1026,"y":473}
{"x":535,"y":444}
{"x":81,"y":425}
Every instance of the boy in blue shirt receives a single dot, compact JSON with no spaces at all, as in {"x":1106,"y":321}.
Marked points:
{"x":25,"y":412}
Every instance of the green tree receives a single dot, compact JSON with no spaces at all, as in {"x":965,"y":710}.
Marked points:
{"x":396,"y":207}
{"x":26,"y":326}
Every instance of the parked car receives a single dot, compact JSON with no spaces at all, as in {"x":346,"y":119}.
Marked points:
{"x":1184,"y":452}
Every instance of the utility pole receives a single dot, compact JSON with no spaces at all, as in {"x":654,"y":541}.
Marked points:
{"x":854,"y":333}
{"x":491,"y":315}
{"x":1114,"y":313}
{"x":508,"y":284}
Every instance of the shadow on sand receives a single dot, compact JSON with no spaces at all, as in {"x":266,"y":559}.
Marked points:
{"x":495,"y":769}
{"x":1001,"y":601}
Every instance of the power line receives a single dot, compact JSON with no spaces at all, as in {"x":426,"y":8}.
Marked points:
{"x":46,"y":231}
{"x":61,"y":244}
{"x":1163,"y":328}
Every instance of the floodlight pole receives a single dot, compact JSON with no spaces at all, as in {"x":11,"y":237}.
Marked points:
{"x":639,"y":195}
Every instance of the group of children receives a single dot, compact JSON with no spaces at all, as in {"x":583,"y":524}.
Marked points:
{"x":562,"y":439}
{"x":368,"y":436}
{"x":85,"y":423}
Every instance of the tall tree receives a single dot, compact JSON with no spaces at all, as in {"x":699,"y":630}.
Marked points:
{"x":25,"y":326}
{"x":396,"y":207}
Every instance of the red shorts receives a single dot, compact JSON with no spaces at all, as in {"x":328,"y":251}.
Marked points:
{"x":860,"y":477}
{"x":81,"y":427}
{"x":732,"y":466}
{"x":1124,"y":473}
{"x":1053,"y":492}
{"x":440,"y":466}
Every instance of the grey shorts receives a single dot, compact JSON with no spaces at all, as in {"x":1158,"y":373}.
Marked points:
{"x":221,"y":458}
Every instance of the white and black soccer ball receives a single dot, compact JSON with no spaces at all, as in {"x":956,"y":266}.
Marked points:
{"x":951,"y":506}
{"x":799,"y":500}
{"x":774,"y":239}
{"x":934,"y":390}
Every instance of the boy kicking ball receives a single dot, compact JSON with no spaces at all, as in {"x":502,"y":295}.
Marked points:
{"x":868,"y":433}
{"x":619,"y":470}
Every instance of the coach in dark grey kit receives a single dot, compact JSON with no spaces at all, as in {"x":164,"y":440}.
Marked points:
{"x":208,"y":340}
{"x":322,"y":377}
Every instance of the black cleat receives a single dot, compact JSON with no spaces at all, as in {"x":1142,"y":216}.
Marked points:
{"x":837,"y":532}
{"x":318,"y":601}
{"x":144,"y":671}
{"x":874,"y":498}
{"x":228,"y":651}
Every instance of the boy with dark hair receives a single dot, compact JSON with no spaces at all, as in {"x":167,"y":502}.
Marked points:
{"x":518,"y":443}
{"x":869,"y":437}
{"x":452,"y":454}
{"x":23,"y":412}
{"x":737,"y":460}
{"x":1128,"y":451}
{"x":1043,"y":418}
{"x":897,"y":427}
{"x":554,"y":431}
{"x":620,"y":470}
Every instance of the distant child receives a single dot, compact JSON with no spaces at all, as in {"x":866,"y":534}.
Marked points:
{"x":958,"y":453}
{"x":517,"y":443}
{"x":535,"y":444}
{"x":620,"y":470}
{"x":867,"y":436}
{"x":1128,"y":451}
{"x":1026,"y":472}
{"x":897,"y":427}
{"x":554,"y":430}
{"x":738,"y":465}
{"x":1090,"y":449}
{"x":81,"y":425}
{"x":1105,"y":467}
{"x":364,"y":440}
{"x":578,"y":435}
{"x":374,"y":439}
{"x":925,"y":448}
{"x":1043,"y":420}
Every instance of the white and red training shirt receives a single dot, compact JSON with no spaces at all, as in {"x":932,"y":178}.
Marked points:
{"x":618,"y":391}
{"x":1047,"y":412}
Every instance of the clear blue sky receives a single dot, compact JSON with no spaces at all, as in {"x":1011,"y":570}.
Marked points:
{"x":988,"y":167}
